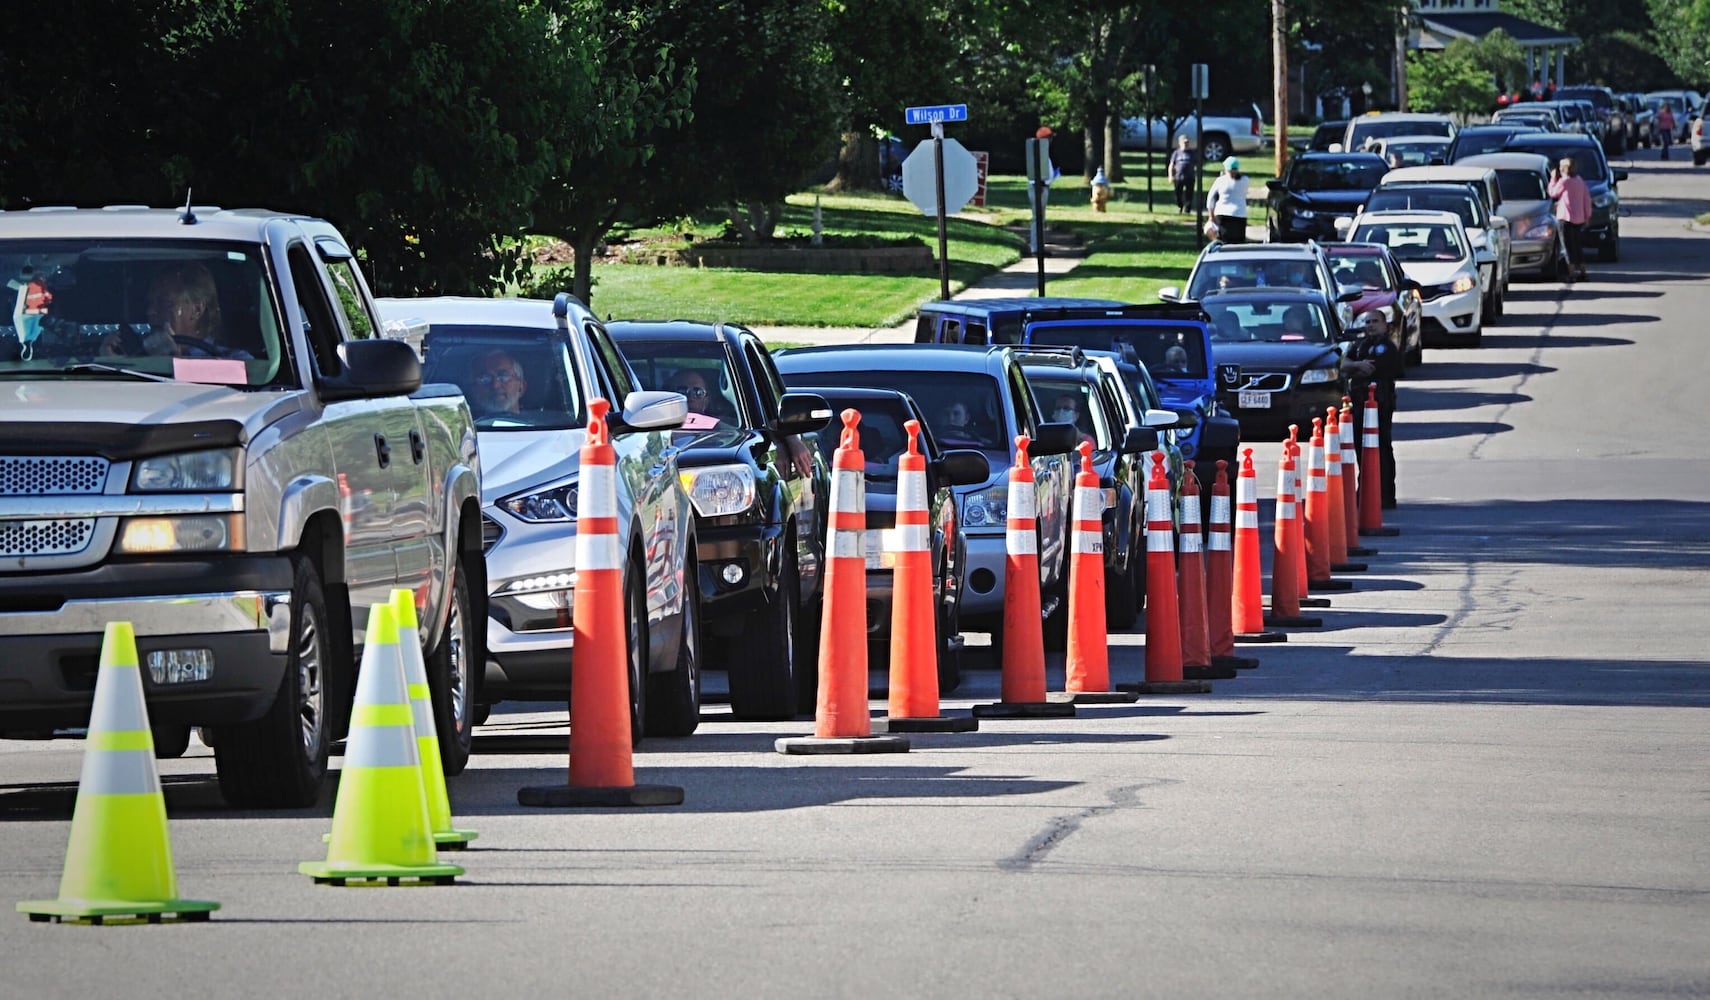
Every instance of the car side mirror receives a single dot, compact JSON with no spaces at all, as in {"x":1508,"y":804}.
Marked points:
{"x":1228,"y":376}
{"x":1619,"y":175}
{"x":966,"y":467}
{"x":1275,"y":184}
{"x":1138,"y":440}
{"x":1162,"y":420}
{"x":802,"y":413}
{"x":1411,"y":285}
{"x":1349,"y":293}
{"x":1170,"y":293}
{"x":1055,"y":439}
{"x":655,"y":410}
{"x":373,"y":369}
{"x":1186,"y":420}
{"x":1344,"y":223}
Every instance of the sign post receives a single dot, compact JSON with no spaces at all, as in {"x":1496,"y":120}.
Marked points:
{"x":1201,"y":90}
{"x":1039,"y":174}
{"x":936,"y":116}
{"x":1148,"y":78}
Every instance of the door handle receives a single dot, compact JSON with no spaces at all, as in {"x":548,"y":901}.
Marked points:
{"x":383,"y":451}
{"x":418,"y":447}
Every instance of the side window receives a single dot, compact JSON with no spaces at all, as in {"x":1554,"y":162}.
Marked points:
{"x":350,"y":298}
{"x":612,"y":361}
{"x":764,"y":381}
{"x":923,"y":328}
{"x":321,"y":327}
{"x":1027,"y":414}
{"x":950,"y":332}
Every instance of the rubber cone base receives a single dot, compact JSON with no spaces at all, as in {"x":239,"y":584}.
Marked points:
{"x":841,"y":744}
{"x":102,"y":911}
{"x":1315,"y":602}
{"x":926,"y":724}
{"x":327,"y":873}
{"x":1261,"y":637}
{"x":1347,"y":567}
{"x":1238,"y":662}
{"x":453,"y":840}
{"x":1095,"y":697}
{"x":1294,"y":621}
{"x":1168,"y":687}
{"x":1025,"y":710}
{"x":570,"y":796}
{"x":1328,"y":584}
{"x":1207,"y":672}
{"x":1379,"y":532}
{"x":1361,"y":550}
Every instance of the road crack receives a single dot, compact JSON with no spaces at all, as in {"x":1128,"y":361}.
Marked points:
{"x":1059,"y":828}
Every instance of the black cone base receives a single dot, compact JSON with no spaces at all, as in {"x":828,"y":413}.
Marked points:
{"x":1328,"y":584}
{"x":1168,"y":687}
{"x":1095,"y":697}
{"x":1261,"y":637}
{"x":1361,"y":550}
{"x":841,"y":744}
{"x":1379,"y":532}
{"x":569,"y":796}
{"x":1294,"y":621}
{"x":1238,"y":662}
{"x":1025,"y":710}
{"x":933,"y":724}
{"x":1347,"y":567}
{"x":1315,"y":602}
{"x":1207,"y":672}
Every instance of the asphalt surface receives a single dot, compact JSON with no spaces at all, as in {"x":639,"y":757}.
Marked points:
{"x":1487,"y":775}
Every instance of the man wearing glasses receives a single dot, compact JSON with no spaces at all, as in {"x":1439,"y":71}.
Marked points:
{"x":499,"y":383}
{"x":693,"y":385}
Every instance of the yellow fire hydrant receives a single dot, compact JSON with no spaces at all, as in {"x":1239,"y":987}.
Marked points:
{"x":1100,"y":190}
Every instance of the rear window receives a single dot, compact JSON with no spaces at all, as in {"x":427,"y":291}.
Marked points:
{"x":1337,"y":175}
{"x":1167,"y":350}
{"x":1521,"y":185}
{"x":963,"y":409}
{"x":1586,"y":163}
{"x":1393,"y":198}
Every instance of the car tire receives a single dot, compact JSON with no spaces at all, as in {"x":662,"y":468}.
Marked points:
{"x":1216,"y":147}
{"x":1415,"y":355}
{"x":170,"y":741}
{"x":635,"y":609}
{"x":674,"y":698}
{"x":805,"y":675}
{"x":1056,"y":627}
{"x":762,"y":682}
{"x":949,"y":660}
{"x":452,"y":674}
{"x":279,"y":761}
{"x":1488,"y":311}
{"x":1121,"y":596}
{"x":1610,"y":251}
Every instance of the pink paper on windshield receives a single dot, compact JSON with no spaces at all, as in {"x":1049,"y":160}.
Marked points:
{"x":699,"y":422}
{"x":215,"y":371}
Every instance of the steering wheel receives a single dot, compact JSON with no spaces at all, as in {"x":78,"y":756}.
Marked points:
{"x":207,"y":347}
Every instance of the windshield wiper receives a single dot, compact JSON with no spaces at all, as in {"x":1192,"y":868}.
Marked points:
{"x":87,"y":367}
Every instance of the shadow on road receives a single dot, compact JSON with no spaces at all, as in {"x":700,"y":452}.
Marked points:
{"x":1420,"y":399}
{"x":1648,"y":534}
{"x":1458,"y":371}
{"x":1525,"y":341}
{"x":1572,"y":319}
{"x":1437,"y":430}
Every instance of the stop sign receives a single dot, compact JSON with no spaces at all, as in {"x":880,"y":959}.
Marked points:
{"x":961,"y":177}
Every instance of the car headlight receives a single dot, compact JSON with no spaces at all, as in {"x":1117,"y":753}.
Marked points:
{"x":1305,"y":213}
{"x":190,"y":472}
{"x":717,"y":490}
{"x":1603,"y":201}
{"x":1464,"y":283}
{"x":181,"y":533}
{"x":987,"y":507}
{"x":1543,"y":229}
{"x":555,"y":504}
{"x":1314,"y":376}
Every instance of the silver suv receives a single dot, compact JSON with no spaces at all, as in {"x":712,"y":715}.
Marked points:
{"x":1258,"y":265}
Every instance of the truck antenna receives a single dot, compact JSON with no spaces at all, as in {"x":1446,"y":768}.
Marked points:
{"x":189,"y":216}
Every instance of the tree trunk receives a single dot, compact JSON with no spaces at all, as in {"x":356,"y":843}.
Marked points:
{"x":1113,"y":149}
{"x":857,"y":165}
{"x":582,"y":280}
{"x":766,"y":218}
{"x":743,"y":229}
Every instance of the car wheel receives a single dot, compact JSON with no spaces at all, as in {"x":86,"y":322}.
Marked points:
{"x":1488,"y":309}
{"x":805,"y":675}
{"x":1610,"y":251}
{"x":170,"y":742}
{"x":1415,"y":355}
{"x":1216,"y":147}
{"x":674,"y":698}
{"x":949,"y":660}
{"x":762,"y":683}
{"x":1121,"y":603}
{"x":280,"y":760}
{"x":451,"y":673}
{"x":635,"y":609}
{"x":1056,"y":627}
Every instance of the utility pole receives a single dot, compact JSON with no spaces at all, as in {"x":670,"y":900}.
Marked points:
{"x":1279,"y":79}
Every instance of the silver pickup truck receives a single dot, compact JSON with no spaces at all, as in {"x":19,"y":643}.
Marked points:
{"x":201,"y":434}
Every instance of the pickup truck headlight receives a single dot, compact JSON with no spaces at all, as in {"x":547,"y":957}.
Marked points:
{"x":987,"y":508}
{"x":181,"y":533}
{"x":190,"y":472}
{"x":718,"y":490}
{"x":1313,"y":376}
{"x":1464,"y":283}
{"x":555,"y":504}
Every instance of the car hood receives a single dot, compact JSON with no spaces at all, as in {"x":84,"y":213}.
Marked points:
{"x":1273,"y":357}
{"x":512,"y":461}
{"x":1432,"y":272}
{"x":48,"y":410}
{"x":1520,"y":212}
{"x":1372,"y":298}
{"x":1182,"y":391}
{"x":1345,"y":201}
{"x":696,"y":448}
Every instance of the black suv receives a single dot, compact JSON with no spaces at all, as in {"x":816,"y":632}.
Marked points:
{"x":1316,"y":188}
{"x":758,"y":491}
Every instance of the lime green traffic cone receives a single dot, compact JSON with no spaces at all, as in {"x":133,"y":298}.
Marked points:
{"x":380,"y":818}
{"x":445,"y":835}
{"x":119,"y":861}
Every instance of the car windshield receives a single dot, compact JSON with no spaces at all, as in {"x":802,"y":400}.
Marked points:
{"x":1363,"y":269}
{"x":1521,"y":185}
{"x":1246,"y":271}
{"x":1415,"y":241}
{"x":1336,"y":175}
{"x":515,"y":378}
{"x":1476,"y":143}
{"x":1597,"y":97}
{"x":1067,"y":400}
{"x":884,"y":437}
{"x":1586,"y":163}
{"x":1367,"y":131}
{"x":1168,"y":350}
{"x":699,"y":369}
{"x":963,"y":409}
{"x":1390,"y":199}
{"x":161,"y":310}
{"x":1415,"y":152}
{"x":1284,"y":322}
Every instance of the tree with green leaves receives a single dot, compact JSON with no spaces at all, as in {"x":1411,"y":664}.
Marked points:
{"x":1682,"y":37}
{"x":1453,"y":81}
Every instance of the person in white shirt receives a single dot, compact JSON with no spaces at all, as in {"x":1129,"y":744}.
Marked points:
{"x":1227,"y":203}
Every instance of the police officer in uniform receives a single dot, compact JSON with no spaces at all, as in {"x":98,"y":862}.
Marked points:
{"x":1375,"y":360}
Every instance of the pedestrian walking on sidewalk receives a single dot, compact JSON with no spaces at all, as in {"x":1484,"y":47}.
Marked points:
{"x":1663,"y":124}
{"x":1573,"y":211}
{"x":1180,"y":170}
{"x":1227,"y":203}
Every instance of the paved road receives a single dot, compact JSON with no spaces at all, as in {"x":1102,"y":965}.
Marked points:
{"x":1485,"y":776}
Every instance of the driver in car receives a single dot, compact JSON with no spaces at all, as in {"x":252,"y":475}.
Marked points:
{"x":184,"y":318}
{"x":499,"y":384}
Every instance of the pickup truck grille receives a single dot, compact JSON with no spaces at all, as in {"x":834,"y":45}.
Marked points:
{"x":45,"y":477}
{"x":45,"y":538}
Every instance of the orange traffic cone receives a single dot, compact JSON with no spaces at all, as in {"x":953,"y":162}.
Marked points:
{"x":1220,"y":579}
{"x":1334,"y":487}
{"x":1285,"y":571}
{"x":913,"y":704}
{"x":1190,"y":588}
{"x":1088,"y":660}
{"x":842,"y":719}
{"x":1371,"y":471}
{"x":602,"y":769}
{"x":1023,"y":636}
{"x":1303,"y":581}
{"x":1318,"y":516}
{"x":1247,"y":603}
{"x":1163,"y":611}
{"x":1350,"y":483}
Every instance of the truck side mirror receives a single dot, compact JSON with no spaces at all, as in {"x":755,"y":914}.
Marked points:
{"x":1139,"y":439}
{"x":802,"y":413}
{"x":373,"y":369}
{"x":966,"y":467}
{"x":1055,"y":439}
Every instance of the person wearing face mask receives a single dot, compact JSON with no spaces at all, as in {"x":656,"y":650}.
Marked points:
{"x":1066,"y":409}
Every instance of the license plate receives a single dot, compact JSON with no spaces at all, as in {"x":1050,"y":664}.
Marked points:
{"x":1255,"y":401}
{"x":181,"y":666}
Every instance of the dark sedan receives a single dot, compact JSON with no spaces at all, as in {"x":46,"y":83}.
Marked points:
{"x":1476,"y":140}
{"x":1285,"y":341}
{"x":1382,"y":286}
{"x":1315,"y":189}
{"x":884,"y":439}
{"x":1604,"y":229}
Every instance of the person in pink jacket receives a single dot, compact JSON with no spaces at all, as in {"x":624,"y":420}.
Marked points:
{"x":1573,"y":211}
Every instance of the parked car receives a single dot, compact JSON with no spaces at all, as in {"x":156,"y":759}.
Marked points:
{"x":1685,"y":103}
{"x":1641,"y":123}
{"x":1475,"y":140}
{"x":1328,"y":134}
{"x":1604,"y":230}
{"x":1487,"y":233}
{"x":1380,"y":125}
{"x":1237,"y":129}
{"x":529,"y":368}
{"x":988,"y":321}
{"x":1383,"y":285}
{"x":1433,"y":249}
{"x":1530,"y":116}
{"x":1314,"y":190}
{"x":1614,"y":118}
{"x":1537,"y":244}
{"x":759,"y":493}
{"x":987,"y":384}
{"x":1286,"y":342}
{"x":1577,"y":118}
{"x":1412,"y":150}
{"x":884,"y":439}
{"x":1289,"y":265}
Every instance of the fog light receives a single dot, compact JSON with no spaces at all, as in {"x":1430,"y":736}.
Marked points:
{"x":181,"y":666}
{"x":732,"y":574}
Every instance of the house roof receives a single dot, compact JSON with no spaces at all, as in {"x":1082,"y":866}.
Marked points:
{"x":1459,"y":25}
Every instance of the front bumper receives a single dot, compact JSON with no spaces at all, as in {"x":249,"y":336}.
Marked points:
{"x":52,"y":626}
{"x":752,"y":548}
{"x":1296,"y":405}
{"x":1451,"y":316}
{"x":1534,"y":257}
{"x":982,"y":590}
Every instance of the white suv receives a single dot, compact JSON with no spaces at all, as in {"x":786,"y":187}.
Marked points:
{"x":1433,"y":250}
